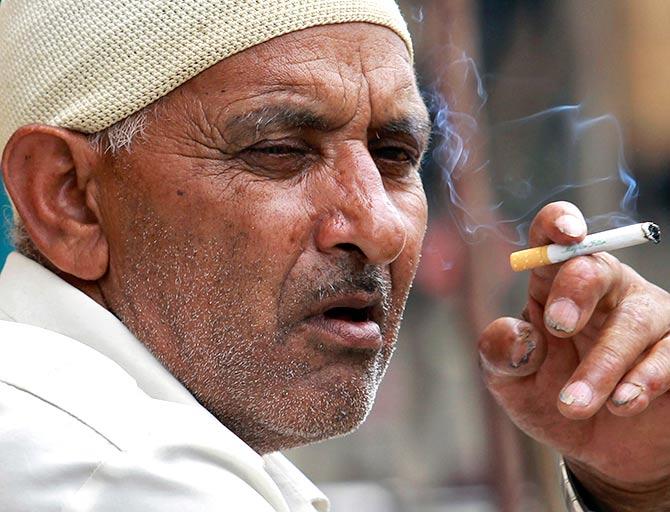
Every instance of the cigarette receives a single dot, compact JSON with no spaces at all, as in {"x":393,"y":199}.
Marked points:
{"x":610,"y":240}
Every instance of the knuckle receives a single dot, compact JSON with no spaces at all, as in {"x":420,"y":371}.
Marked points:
{"x":635,"y":318}
{"x":609,"y":359}
{"x":583,"y":270}
{"x":607,"y":262}
{"x":642,"y":300}
{"x":653,"y":377}
{"x":583,"y":278}
{"x":609,"y":267}
{"x":657,"y":368}
{"x":655,"y":383}
{"x":662,"y":352}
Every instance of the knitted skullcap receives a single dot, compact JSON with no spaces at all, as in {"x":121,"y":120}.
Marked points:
{"x":86,"y":64}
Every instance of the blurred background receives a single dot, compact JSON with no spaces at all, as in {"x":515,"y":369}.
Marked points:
{"x":533,"y":101}
{"x":551,"y":99}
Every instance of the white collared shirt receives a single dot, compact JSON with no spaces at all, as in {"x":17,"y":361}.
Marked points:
{"x":91,"y":421}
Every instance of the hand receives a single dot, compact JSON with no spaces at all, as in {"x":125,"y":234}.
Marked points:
{"x":587,"y":368}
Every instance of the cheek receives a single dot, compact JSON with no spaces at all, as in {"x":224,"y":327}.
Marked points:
{"x":276,"y":223}
{"x":261,"y":229}
{"x":247,"y":233}
{"x":414,"y":212}
{"x":245,"y":217}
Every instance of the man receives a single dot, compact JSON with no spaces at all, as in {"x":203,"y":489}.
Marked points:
{"x":222,"y":210}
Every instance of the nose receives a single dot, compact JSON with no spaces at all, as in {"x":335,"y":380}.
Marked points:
{"x":361,"y":215}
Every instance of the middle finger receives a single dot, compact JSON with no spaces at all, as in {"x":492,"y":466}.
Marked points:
{"x":579,"y":287}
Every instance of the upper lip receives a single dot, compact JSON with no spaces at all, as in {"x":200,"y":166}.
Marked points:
{"x":358,"y":300}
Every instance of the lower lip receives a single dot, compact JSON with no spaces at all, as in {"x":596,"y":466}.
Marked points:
{"x":343,"y":333}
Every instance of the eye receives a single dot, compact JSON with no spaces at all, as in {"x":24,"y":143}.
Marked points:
{"x":279,"y":158}
{"x":395,"y":158}
{"x":394,"y":154}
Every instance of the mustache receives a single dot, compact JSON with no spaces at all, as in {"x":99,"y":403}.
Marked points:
{"x":370,"y":279}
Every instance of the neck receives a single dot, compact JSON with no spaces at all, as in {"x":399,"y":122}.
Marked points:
{"x":90,"y":288}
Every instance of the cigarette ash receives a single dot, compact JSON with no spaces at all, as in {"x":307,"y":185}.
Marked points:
{"x":652,"y":232}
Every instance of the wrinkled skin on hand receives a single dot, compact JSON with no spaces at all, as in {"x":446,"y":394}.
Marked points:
{"x":587,"y":368}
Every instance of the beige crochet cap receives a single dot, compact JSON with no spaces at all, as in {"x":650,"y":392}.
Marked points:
{"x":86,"y":64}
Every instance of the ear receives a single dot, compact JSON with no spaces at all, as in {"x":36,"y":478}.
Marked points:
{"x":49,"y":174}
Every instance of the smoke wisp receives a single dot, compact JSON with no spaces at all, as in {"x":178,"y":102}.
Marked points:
{"x":498,"y":174}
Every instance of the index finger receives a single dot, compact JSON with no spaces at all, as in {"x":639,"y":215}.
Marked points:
{"x":559,"y":222}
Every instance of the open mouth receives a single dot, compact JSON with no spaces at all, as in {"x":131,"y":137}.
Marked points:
{"x":349,"y":314}
{"x":352,"y":321}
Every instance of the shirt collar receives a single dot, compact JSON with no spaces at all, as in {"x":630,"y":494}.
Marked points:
{"x":31,"y":294}
{"x":297,"y":489}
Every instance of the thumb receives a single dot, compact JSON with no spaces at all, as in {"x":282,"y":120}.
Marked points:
{"x":511,"y":348}
{"x":525,"y":372}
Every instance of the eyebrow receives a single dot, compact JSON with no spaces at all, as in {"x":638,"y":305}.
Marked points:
{"x":269,"y":118}
{"x":253,"y":123}
{"x":418,"y":127}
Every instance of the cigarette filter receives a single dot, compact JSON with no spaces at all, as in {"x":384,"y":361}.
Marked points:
{"x":604,"y":241}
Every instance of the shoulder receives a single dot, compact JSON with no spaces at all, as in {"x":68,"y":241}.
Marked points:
{"x":47,"y":447}
{"x":78,"y":430}
{"x":65,"y":375}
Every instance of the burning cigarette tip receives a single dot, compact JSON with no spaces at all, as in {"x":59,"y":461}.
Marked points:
{"x":604,"y":241}
{"x":652,"y":232}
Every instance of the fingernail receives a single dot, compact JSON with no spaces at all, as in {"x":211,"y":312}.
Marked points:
{"x":571,"y":225}
{"x":562,"y":315}
{"x":521,"y":352}
{"x":626,"y":393}
{"x":578,"y":393}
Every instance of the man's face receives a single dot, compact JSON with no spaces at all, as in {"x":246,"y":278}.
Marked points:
{"x":265,"y":230}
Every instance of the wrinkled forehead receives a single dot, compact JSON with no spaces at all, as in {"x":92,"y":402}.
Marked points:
{"x":336,"y":67}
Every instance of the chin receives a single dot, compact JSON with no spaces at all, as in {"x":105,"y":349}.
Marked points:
{"x":291,"y":409}
{"x":341,"y":423}
{"x":335,"y":405}
{"x":332,"y":404}
{"x":289,"y":428}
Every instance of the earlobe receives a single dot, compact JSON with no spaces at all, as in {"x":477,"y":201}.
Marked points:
{"x":49,"y":174}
